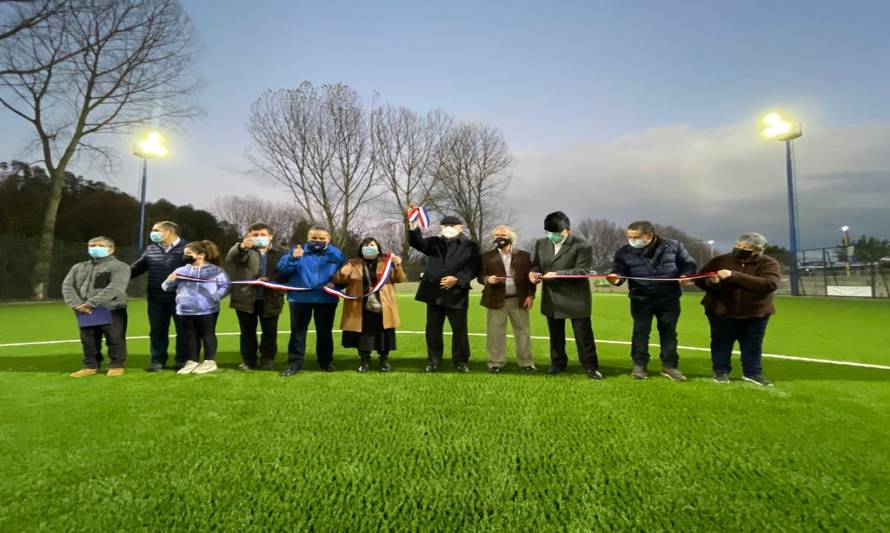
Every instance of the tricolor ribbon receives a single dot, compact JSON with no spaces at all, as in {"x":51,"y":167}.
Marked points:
{"x":384,"y":278}
{"x":605,"y":276}
{"x":419,"y":215}
{"x":254,"y":282}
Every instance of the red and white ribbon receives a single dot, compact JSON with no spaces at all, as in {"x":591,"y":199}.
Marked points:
{"x":419,"y":215}
{"x":384,"y":278}
{"x":606,"y":276}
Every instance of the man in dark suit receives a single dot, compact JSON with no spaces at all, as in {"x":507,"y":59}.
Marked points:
{"x":560,"y":254}
{"x":452,"y":263}
{"x":507,"y":293}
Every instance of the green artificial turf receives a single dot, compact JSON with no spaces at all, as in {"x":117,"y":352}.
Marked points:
{"x":405,"y":450}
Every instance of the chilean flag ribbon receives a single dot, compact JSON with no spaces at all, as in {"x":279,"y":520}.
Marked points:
{"x":419,"y":215}
{"x":384,"y":278}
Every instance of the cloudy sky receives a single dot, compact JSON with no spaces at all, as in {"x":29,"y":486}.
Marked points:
{"x":618,"y":110}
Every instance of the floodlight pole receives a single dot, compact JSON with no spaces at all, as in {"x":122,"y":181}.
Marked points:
{"x":140,"y":233}
{"x":792,"y":220}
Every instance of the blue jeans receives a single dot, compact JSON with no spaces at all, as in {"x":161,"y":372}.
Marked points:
{"x":726,"y":331}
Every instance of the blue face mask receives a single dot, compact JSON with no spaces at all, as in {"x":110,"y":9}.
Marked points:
{"x":98,"y":252}
{"x":637,"y":243}
{"x":317,"y":246}
{"x":156,"y":237}
{"x":370,"y":252}
{"x":554,"y":237}
{"x":260,"y":242}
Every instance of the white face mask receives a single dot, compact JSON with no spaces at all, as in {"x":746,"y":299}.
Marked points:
{"x":450,"y":232}
{"x":637,"y":243}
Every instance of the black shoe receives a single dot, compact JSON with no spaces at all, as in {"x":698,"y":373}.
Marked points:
{"x":329,"y":368}
{"x":758,"y":379}
{"x":593,"y":373}
{"x":531,"y":369}
{"x":721,"y":377}
{"x":432,"y":367}
{"x":462,"y":368}
{"x":155,"y":367}
{"x":244,"y":367}
{"x":365,"y":366}
{"x":639,"y":372}
{"x":494,"y":369}
{"x":385,"y":366}
{"x":290,"y":370}
{"x":554,"y":370}
{"x":267,"y":365}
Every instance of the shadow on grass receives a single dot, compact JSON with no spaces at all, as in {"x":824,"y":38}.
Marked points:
{"x":779,"y":371}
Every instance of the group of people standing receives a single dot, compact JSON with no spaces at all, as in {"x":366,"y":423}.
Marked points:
{"x":188,"y":280}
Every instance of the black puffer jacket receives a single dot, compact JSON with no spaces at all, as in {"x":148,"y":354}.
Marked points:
{"x":159,"y":264}
{"x":663,"y":258}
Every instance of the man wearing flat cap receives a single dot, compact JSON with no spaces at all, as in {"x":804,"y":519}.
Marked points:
{"x":561,"y":253}
{"x":452,"y":262}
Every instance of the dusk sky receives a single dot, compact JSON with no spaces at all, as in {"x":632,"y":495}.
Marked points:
{"x":618,"y":110}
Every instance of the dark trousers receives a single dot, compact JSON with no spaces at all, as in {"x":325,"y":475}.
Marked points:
{"x":300,"y":316}
{"x":460,"y":341}
{"x":268,"y":344}
{"x":198,"y":331}
{"x":583,"y":340}
{"x":666,"y":314}
{"x":159,"y":316}
{"x":115,"y":338}
{"x":365,"y":355}
{"x":726,"y":331}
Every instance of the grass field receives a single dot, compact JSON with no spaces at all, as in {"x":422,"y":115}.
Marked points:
{"x":405,"y":450}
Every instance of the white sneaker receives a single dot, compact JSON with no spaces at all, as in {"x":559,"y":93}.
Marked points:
{"x":206,"y":367}
{"x":188,"y":367}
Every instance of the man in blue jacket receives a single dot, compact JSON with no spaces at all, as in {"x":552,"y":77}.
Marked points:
{"x":311,"y":265}
{"x":647,"y":255}
{"x":160,"y":259}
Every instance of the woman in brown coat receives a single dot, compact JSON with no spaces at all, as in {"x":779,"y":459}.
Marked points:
{"x":369,"y":324}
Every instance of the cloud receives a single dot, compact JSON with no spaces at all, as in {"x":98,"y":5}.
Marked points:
{"x":714,"y":183}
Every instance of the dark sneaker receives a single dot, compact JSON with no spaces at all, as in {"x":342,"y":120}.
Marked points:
{"x":531,"y":369}
{"x":758,"y":380}
{"x":721,"y":377}
{"x":267,"y":365}
{"x":244,"y":367}
{"x":554,"y":370}
{"x":462,"y":368}
{"x":329,"y":368}
{"x":290,"y":370}
{"x":673,"y":374}
{"x":639,"y":372}
{"x":364,"y":367}
{"x":432,"y":367}
{"x":385,"y":366}
{"x":593,"y":373}
{"x":155,"y":367}
{"x":494,"y":369}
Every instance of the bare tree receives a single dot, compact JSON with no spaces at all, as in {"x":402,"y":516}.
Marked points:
{"x":318,"y":144}
{"x":605,"y":237}
{"x":406,"y":144}
{"x":133,"y":68}
{"x":242,"y":211}
{"x":471,"y":176}
{"x":18,"y":17}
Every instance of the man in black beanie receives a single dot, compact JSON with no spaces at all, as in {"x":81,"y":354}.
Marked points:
{"x":561,"y":253}
{"x":452,"y":262}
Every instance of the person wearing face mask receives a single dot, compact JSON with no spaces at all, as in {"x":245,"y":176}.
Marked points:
{"x":738,"y":303}
{"x":197,"y":303}
{"x":369,"y":324}
{"x":311,"y":265}
{"x":256,"y":257}
{"x":647,"y":255}
{"x":562,"y":253}
{"x":100,"y":282}
{"x":161,"y":257}
{"x":453,"y":261}
{"x":507,"y":293}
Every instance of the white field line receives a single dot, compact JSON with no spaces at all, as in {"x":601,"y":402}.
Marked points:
{"x":536,"y":337}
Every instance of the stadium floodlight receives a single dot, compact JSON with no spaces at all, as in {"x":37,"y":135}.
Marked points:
{"x":151,"y":146}
{"x":780,"y":129}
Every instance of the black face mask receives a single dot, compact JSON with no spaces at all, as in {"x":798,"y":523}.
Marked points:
{"x":317,"y":246}
{"x":502,"y":242}
{"x":743,"y":254}
{"x":189,"y":259}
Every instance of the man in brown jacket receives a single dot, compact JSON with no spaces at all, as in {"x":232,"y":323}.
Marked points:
{"x":507,"y":293}
{"x":738,"y":303}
